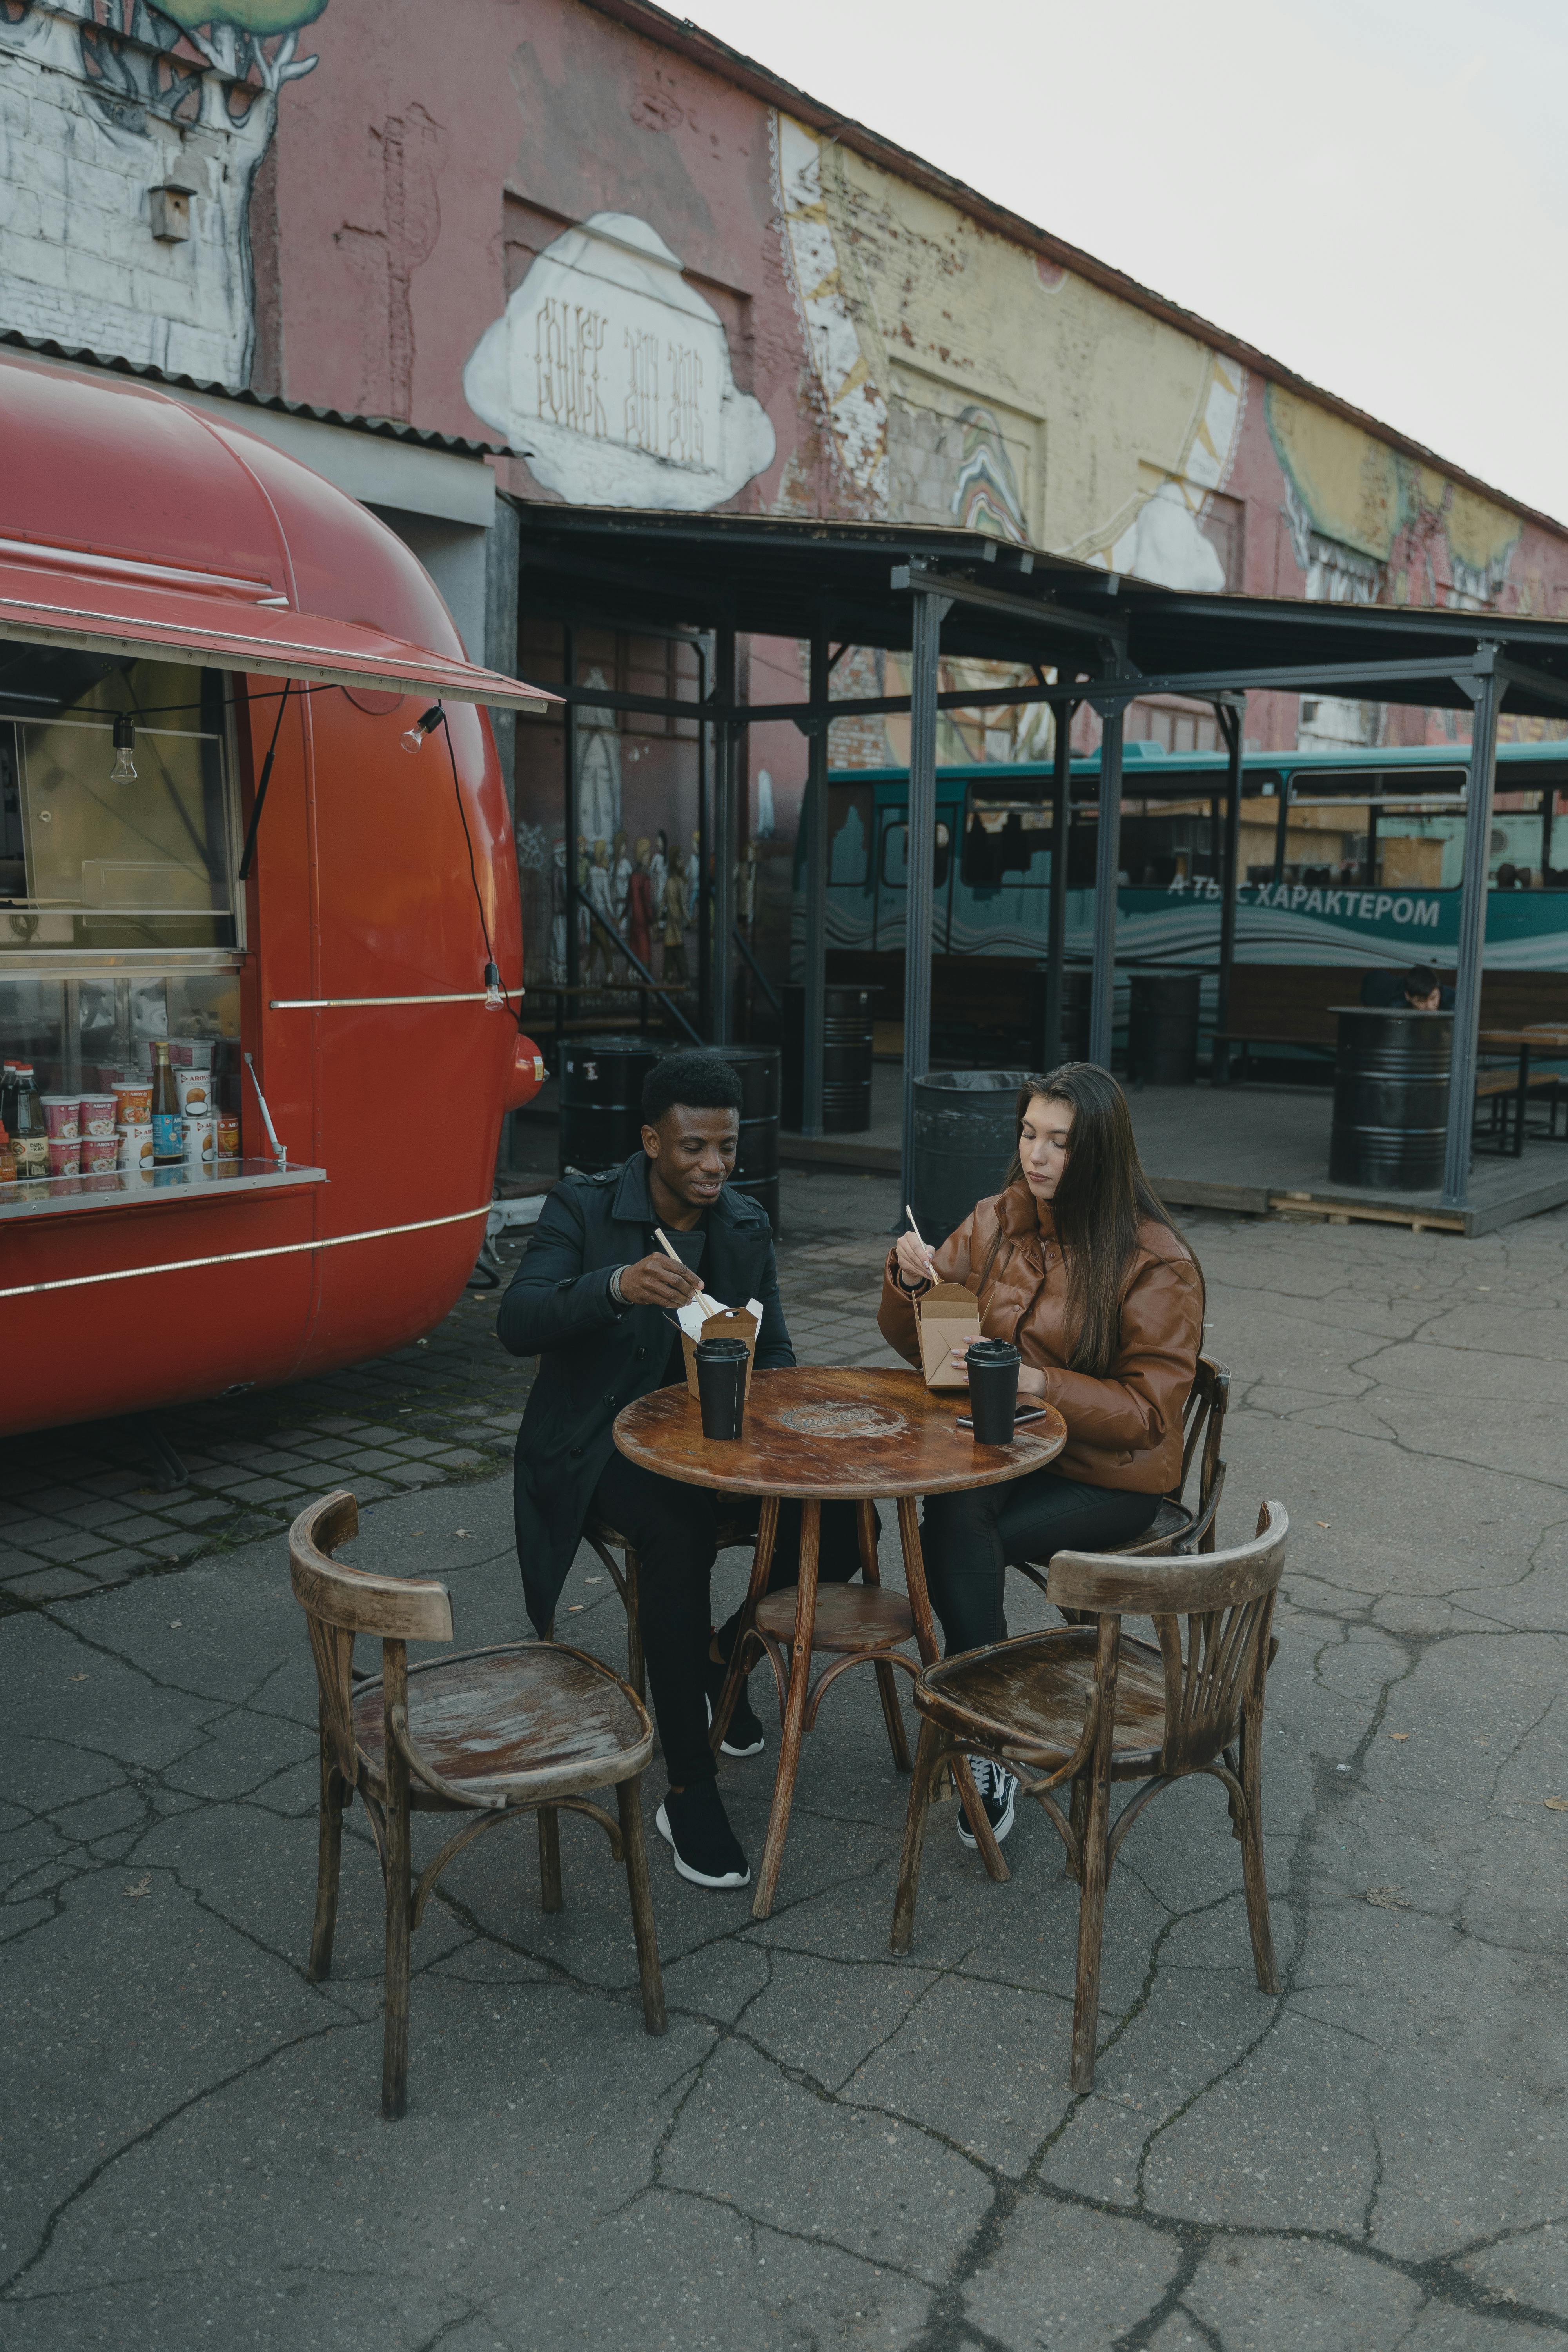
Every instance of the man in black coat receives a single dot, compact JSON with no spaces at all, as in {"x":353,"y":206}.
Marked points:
{"x":595,"y":1299}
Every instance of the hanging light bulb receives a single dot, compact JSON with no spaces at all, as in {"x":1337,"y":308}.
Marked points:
{"x":495,"y":998}
{"x":413,"y":740}
{"x":124,"y":768}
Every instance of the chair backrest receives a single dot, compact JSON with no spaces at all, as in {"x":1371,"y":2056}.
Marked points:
{"x":1203,"y":1422}
{"x":340,"y":1602}
{"x":1227,"y":1600}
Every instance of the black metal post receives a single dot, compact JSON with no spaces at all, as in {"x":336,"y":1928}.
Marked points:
{"x":929,"y":610}
{"x":1107,"y":866}
{"x":1232,"y":725}
{"x":1057,"y":930}
{"x":1282,"y":827}
{"x":569,"y":766}
{"x":719,"y":908}
{"x":1472,"y":936}
{"x":698,"y":881}
{"x":814,"y":814}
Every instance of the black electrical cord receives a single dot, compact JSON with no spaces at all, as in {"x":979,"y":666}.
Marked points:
{"x":249,"y":850}
{"x":493,"y":969}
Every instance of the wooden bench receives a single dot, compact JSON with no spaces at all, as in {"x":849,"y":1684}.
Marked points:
{"x":1292,"y":1004}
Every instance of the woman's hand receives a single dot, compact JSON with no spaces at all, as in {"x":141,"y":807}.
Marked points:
{"x":914,"y":1261}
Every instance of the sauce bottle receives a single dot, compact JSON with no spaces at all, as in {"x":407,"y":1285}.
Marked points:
{"x":7,"y":1092}
{"x":29,"y":1134}
{"x":168,"y":1133}
{"x":7,"y":1159}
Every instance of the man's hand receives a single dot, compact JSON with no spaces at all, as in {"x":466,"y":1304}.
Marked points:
{"x":660,"y":1281}
{"x":914,"y":1261}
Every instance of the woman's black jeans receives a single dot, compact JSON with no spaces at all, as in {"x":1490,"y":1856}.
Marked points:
{"x":968,"y":1539}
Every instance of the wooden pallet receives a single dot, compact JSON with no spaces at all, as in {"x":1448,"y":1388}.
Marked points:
{"x":1342,"y":1213}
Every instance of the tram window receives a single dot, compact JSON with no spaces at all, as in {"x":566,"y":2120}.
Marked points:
{"x":1001,"y":843}
{"x":144,"y":862}
{"x":849,"y":822}
{"x":894,"y":867}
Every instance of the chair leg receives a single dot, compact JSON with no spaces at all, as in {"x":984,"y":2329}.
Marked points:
{"x":329,"y":1858}
{"x":1090,"y":1929}
{"x":928,"y":1765}
{"x":1252,"y":1878}
{"x":394,"y":2039}
{"x":887,"y":1684}
{"x":637,"y":1670}
{"x":549,"y":1858}
{"x":1077,"y":1820}
{"x":795,"y":1710}
{"x":629,"y":1797}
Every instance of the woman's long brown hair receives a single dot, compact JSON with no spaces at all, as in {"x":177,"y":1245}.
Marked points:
{"x":1102,"y":1199}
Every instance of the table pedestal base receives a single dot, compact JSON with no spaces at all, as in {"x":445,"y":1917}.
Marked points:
{"x":861,"y":1626}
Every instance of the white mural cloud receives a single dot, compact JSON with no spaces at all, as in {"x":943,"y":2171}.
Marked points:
{"x":611,"y":371}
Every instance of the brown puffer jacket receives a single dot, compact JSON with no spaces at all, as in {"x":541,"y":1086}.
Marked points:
{"x":1124,"y":1430}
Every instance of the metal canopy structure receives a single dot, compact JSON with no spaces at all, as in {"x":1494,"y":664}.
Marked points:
{"x":931,"y":592}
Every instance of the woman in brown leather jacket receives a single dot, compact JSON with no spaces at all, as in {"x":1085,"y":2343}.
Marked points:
{"x":1077,"y":1264}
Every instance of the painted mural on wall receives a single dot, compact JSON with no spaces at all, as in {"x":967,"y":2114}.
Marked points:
{"x":614,"y":373}
{"x":847,"y":375}
{"x":128,"y":145}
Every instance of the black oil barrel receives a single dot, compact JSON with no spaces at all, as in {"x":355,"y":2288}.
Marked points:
{"x":1075,"y":980}
{"x":966,"y":1133}
{"x":1391,"y":1097}
{"x":1162,"y":1028}
{"x":757,"y":1156}
{"x":846,"y":1042}
{"x":601,"y":1100}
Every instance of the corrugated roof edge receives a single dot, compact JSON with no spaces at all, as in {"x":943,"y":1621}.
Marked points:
{"x":703,"y":49}
{"x":386,"y":428}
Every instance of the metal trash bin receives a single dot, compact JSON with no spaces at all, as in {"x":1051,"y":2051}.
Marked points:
{"x":757,"y":1154}
{"x":601,"y":1100}
{"x":1162,"y":1028}
{"x":1391,"y":1097}
{"x":1076,"y":984}
{"x":966,"y":1136}
{"x":846,"y":1042}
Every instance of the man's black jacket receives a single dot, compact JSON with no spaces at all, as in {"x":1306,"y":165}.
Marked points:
{"x":594,"y":1356}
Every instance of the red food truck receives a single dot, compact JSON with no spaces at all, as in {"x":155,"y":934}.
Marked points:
{"x":216,"y":849}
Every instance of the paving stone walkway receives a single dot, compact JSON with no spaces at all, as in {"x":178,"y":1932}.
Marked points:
{"x":833,"y":2147}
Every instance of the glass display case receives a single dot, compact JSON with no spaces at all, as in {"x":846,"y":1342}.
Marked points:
{"x":120,"y":918}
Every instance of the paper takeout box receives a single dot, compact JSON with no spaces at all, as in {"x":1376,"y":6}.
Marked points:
{"x":945,"y":1314}
{"x":704,"y":1318}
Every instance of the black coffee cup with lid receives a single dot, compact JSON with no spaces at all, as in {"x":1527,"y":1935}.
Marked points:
{"x":993,"y":1390}
{"x":721,"y":1386}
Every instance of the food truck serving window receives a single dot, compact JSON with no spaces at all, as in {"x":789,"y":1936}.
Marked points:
{"x":115,"y":846}
{"x":120,"y":918}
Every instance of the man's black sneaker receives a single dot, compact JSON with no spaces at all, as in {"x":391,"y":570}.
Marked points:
{"x":705,"y":1847}
{"x":744,"y":1735}
{"x":998,"y":1789}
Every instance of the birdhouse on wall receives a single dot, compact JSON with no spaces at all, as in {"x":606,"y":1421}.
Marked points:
{"x":170,"y":213}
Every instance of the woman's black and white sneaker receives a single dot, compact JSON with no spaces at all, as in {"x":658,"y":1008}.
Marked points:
{"x":744,"y":1735}
{"x":998,"y":1789}
{"x":692,"y":1823}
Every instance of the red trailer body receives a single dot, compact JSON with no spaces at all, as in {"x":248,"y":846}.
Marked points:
{"x":133,"y":529}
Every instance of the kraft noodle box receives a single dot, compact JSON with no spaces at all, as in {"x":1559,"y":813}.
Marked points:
{"x":703,"y":1318}
{"x":945,"y":1314}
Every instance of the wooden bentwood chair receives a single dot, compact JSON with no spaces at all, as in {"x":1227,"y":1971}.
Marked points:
{"x":522,"y":1727}
{"x":1179,"y":1525}
{"x":1087,"y":1705}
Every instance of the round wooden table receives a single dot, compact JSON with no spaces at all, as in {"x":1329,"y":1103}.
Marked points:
{"x":821,"y":1436}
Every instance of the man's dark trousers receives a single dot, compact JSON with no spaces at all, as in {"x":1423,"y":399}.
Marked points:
{"x":672,"y":1526}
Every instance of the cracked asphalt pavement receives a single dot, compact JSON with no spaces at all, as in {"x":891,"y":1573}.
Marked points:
{"x":832,"y":2146}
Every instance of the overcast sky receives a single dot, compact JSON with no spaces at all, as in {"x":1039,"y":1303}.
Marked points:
{"x":1373,"y":192}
